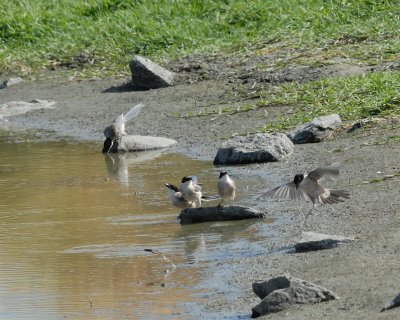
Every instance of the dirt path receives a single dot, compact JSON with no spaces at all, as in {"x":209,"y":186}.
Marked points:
{"x":364,"y":273}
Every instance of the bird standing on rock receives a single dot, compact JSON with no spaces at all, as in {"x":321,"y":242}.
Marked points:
{"x":308,"y":187}
{"x":177,"y":198}
{"x":226,"y":187}
{"x":191,"y":191}
{"x":116,"y":130}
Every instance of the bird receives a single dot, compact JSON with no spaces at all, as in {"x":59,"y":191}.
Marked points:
{"x":116,"y":130}
{"x":177,"y":198}
{"x":307,"y":187}
{"x":226,"y":187}
{"x":191,"y":190}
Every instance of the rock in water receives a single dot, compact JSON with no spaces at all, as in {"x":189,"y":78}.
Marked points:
{"x":257,"y":148}
{"x":311,"y":241}
{"x":315,"y":131}
{"x":281,"y":292}
{"x":148,"y":75}
{"x":195,"y":215}
{"x":141,"y":143}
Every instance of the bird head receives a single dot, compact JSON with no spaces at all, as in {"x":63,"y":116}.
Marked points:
{"x":107,"y":145}
{"x":222,"y":173}
{"x":298,"y":178}
{"x":186,"y":179}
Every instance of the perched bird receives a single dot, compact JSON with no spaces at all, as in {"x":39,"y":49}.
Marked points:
{"x":191,"y":190}
{"x":177,"y":199}
{"x":226,"y":187}
{"x":307,"y":187}
{"x":116,"y":130}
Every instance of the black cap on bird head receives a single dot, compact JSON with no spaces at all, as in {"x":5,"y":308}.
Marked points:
{"x":222,"y":173}
{"x":298,"y":178}
{"x":107,"y":145}
{"x":186,"y":178}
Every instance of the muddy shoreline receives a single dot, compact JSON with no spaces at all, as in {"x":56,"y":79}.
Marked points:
{"x":363,"y":274}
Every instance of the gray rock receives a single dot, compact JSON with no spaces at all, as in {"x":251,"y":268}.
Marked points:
{"x":10,"y":82}
{"x":392,"y":304}
{"x":148,"y":75}
{"x":141,"y":143}
{"x":280,"y":293}
{"x":257,"y":148}
{"x":13,"y":108}
{"x":195,"y":215}
{"x":311,"y":241}
{"x":316,"y":130}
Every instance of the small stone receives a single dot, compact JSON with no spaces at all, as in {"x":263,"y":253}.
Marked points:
{"x":10,"y":82}
{"x":315,"y":131}
{"x":311,"y":241}
{"x":148,"y":75}
{"x":255,"y":148}
{"x":392,"y":304}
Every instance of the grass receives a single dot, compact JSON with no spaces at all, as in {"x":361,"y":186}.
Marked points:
{"x":353,"y":98}
{"x":37,"y":34}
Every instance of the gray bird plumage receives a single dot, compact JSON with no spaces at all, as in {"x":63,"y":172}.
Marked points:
{"x":307,"y":187}
{"x":116,"y":130}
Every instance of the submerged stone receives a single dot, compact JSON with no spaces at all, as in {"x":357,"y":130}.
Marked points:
{"x":196,"y":215}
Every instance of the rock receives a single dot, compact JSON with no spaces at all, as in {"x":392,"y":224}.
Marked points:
{"x":392,"y":304}
{"x":257,"y":148}
{"x":280,"y":293}
{"x":195,"y":215}
{"x":141,"y":143}
{"x":148,"y":75}
{"x":10,"y":82}
{"x":13,"y":108}
{"x":315,"y":131}
{"x":311,"y":241}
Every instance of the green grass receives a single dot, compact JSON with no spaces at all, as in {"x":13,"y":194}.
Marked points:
{"x":36,"y":34}
{"x":353,"y":98}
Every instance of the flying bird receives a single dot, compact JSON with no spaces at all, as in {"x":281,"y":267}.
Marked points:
{"x":226,"y":187}
{"x":116,"y":130}
{"x":307,"y":187}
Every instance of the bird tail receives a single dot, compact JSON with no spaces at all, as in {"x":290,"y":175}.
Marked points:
{"x":336,"y":196}
{"x":133,"y":113}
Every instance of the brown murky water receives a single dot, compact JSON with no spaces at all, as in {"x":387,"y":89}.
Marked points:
{"x":74,"y":226}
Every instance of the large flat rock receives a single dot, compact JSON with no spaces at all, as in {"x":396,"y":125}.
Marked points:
{"x":14,"y":108}
{"x":311,"y":241}
{"x":196,"y":215}
{"x":142,"y":143}
{"x":257,"y":148}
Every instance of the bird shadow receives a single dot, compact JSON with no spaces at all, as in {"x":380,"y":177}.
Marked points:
{"x":125,"y":87}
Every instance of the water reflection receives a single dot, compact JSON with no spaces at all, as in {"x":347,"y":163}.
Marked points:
{"x":74,"y":226}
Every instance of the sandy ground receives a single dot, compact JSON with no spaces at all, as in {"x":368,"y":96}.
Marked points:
{"x":364,"y":273}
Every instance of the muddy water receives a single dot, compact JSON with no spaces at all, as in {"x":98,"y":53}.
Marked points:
{"x":75,"y":226}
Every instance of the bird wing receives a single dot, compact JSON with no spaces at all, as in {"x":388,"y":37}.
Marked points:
{"x":196,"y":184}
{"x":287,"y":191}
{"x":329,"y":173}
{"x":131,"y":114}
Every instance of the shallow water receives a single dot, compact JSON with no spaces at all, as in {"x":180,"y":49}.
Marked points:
{"x":75,"y":226}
